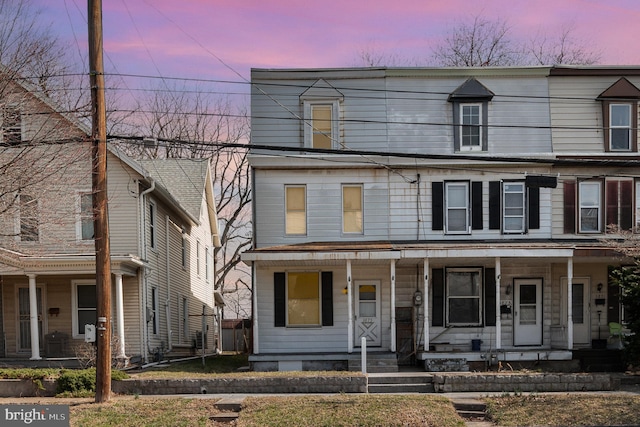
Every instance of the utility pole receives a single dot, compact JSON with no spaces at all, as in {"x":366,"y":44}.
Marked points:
{"x":101,"y":220}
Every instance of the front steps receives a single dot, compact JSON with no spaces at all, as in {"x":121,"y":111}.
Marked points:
{"x":400,"y":383}
{"x":376,"y":363}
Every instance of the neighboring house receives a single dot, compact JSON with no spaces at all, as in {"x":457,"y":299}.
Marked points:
{"x":446,"y":214}
{"x":163,"y":228}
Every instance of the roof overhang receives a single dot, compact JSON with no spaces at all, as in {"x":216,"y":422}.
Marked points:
{"x":73,"y":264}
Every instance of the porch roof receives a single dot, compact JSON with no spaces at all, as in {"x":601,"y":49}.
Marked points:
{"x":337,"y":252}
{"x":16,"y":263}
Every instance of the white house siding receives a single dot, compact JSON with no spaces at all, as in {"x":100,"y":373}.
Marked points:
{"x":123,"y":208}
{"x":577,"y":113}
{"x":324,"y":204}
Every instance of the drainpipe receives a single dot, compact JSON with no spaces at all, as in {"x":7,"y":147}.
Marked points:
{"x":425,"y":268}
{"x":393,"y":306}
{"x":349,"y":310}
{"x":167,"y":302}
{"x":569,"y":304}
{"x":143,"y":250}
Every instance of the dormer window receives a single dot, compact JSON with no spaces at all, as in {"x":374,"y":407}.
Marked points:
{"x":620,"y":116}
{"x":470,"y":116}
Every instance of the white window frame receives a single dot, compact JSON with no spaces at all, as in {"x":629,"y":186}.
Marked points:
{"x":184,"y":311}
{"x":287,"y":212}
{"x":183,"y":252}
{"x":597,"y":205}
{"x":637,"y":210}
{"x":81,"y":216}
{"x":523,"y":205}
{"x":627,"y":127}
{"x":450,"y":209}
{"x":345,"y":212}
{"x":153,"y":224}
{"x":449,"y":297}
{"x":198,"y":255}
{"x":207,"y":266}
{"x":74,"y":306}
{"x":335,"y":121}
{"x":319,"y":289}
{"x":474,"y":147}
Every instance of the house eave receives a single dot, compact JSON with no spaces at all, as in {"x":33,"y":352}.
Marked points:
{"x":78,"y":264}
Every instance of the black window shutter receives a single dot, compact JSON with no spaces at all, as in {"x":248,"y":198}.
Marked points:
{"x":476,"y":205}
{"x":569,"y":206}
{"x":437,"y":205}
{"x":490,"y":297}
{"x":327,"y":298}
{"x":437,"y":308}
{"x":279,"y":300}
{"x":534,"y":208}
{"x":626,"y":205}
{"x":611,"y":196}
{"x":495,"y":208}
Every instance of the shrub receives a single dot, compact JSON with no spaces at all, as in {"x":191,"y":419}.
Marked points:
{"x":77,"y":382}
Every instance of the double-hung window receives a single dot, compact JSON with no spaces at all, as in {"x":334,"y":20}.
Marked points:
{"x":464,"y":296}
{"x":352,"y":209}
{"x":11,"y":125}
{"x":152,"y":225}
{"x":457,"y":207}
{"x":84,"y":303}
{"x":590,"y":206}
{"x":321,"y":115}
{"x":322,"y":126}
{"x":513,"y":209}
{"x":295,"y":210}
{"x":620,"y":127}
{"x":29,"y":222}
{"x":470,"y":127}
{"x":303,"y":299}
{"x":86,"y":221}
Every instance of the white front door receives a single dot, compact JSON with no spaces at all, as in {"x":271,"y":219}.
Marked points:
{"x":367,"y":309}
{"x":528,"y":312}
{"x":579,"y":310}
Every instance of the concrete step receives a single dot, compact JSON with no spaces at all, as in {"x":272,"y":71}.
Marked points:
{"x":401,"y":388}
{"x":470,"y":409}
{"x":225,"y":417}
{"x":230,"y":404}
{"x":400,"y":379}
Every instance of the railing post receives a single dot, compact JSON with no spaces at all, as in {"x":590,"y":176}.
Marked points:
{"x":363,"y":354}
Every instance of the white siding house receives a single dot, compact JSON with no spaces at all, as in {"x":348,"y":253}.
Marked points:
{"x":158,"y":212}
{"x":426,"y":210}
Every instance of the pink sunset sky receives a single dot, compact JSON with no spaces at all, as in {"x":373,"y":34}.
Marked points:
{"x":191,"y":38}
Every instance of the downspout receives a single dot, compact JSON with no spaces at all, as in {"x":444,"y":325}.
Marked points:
{"x":168,"y":300}
{"x":143,"y":250}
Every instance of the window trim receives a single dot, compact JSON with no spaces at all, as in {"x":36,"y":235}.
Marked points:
{"x":12,"y":130}
{"x":183,"y":252}
{"x":153,"y":223}
{"x":479,"y":297}
{"x":309,"y":129}
{"x":467,"y":208}
{"x":35,"y":217}
{"x":361,"y":210}
{"x":198,"y":260}
{"x":287,"y":212}
{"x":74,"y":306}
{"x":629,"y":128}
{"x":155,"y":305}
{"x":599,"y":206}
{"x":462,"y":126}
{"x":319,"y":299}
{"x":83,"y":215}
{"x":524,"y":206}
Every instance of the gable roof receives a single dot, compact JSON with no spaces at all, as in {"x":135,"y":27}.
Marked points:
{"x":188,"y":181}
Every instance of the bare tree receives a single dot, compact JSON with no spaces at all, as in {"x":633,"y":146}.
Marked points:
{"x":480,"y":43}
{"x":564,"y":48}
{"x":184,"y":120}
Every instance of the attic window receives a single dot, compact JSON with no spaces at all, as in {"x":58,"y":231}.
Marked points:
{"x":470,"y":116}
{"x":620,"y":116}
{"x":321,"y":115}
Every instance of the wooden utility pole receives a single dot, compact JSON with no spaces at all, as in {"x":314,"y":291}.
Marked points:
{"x":101,"y":221}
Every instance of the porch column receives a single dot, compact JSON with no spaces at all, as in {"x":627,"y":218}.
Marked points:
{"x":120,"y":316}
{"x":425,"y":267}
{"x":254,"y":310}
{"x":569,"y":304}
{"x":33,"y":318}
{"x":498,"y":317}
{"x":349,"y":310}
{"x":393,"y":306}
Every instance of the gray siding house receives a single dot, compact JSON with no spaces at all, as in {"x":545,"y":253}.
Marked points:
{"x":437,"y":214}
